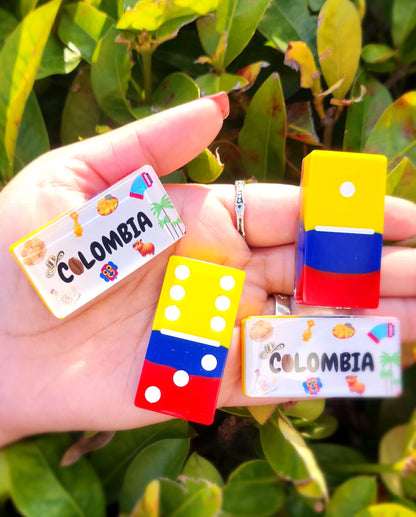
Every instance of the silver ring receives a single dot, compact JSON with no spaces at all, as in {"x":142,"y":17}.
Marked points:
{"x":282,"y":304}
{"x":240,"y":206}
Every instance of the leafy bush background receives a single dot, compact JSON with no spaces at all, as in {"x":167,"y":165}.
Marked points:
{"x":72,"y":69}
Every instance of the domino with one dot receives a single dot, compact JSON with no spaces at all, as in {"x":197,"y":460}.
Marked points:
{"x":191,"y":334}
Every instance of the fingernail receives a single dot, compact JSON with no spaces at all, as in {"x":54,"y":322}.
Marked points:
{"x":222,"y":101}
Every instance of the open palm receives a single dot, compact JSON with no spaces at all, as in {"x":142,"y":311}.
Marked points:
{"x":82,"y":372}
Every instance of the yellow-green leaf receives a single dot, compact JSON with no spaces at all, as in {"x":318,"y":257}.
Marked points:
{"x":261,"y":413}
{"x":149,"y":15}
{"x":339,"y":43}
{"x":205,"y":168}
{"x":19,"y":61}
{"x":386,"y":510}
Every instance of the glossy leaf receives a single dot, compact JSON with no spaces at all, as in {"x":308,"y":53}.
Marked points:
{"x":213,"y":83}
{"x":253,"y":490}
{"x":308,"y":410}
{"x":20,"y":55}
{"x":234,"y":23}
{"x":81,"y":27}
{"x":262,"y":413}
{"x":112,"y":462}
{"x":197,"y":467}
{"x":377,"y":53}
{"x":321,"y":428}
{"x":331,"y":457}
{"x":25,"y":6}
{"x":205,"y":168}
{"x":263,"y":135}
{"x":341,"y":504}
{"x":175,"y":89}
{"x":39,"y":486}
{"x":289,"y":20}
{"x":339,"y":43}
{"x":404,"y":20}
{"x":57,"y":59}
{"x":110,"y":75}
{"x":401,"y":180}
{"x":32,"y":140}
{"x":164,"y":458}
{"x":394,"y":133}
{"x":7,"y":24}
{"x":386,"y":510}
{"x":362,"y":116}
{"x":291,"y":459}
{"x":190,"y":498}
{"x":148,"y":15}
{"x":81,"y":113}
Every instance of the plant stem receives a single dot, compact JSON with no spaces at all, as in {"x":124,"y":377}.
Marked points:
{"x":146,"y":56}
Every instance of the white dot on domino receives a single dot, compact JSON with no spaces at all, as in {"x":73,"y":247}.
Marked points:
{"x":222,"y":303}
{"x":152,"y":394}
{"x":218,"y":324}
{"x":181,"y":378}
{"x":209,"y":362}
{"x":172,"y":313}
{"x":177,"y":292}
{"x":182,"y":272}
{"x":227,"y":282}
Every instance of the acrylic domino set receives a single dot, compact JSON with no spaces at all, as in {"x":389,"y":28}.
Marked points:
{"x":78,"y":256}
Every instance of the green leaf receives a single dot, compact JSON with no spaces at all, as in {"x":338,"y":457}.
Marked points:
{"x":198,"y":467}
{"x":289,"y":20}
{"x":341,"y":504}
{"x":175,"y":89}
{"x":112,"y":462}
{"x":394,"y":133}
{"x":189,"y":498}
{"x":81,"y":113}
{"x":25,"y":6}
{"x":7,"y":25}
{"x":263,"y":135}
{"x":402,"y":180}
{"x":291,"y":459}
{"x":234,"y":23}
{"x":19,"y":61}
{"x":4,"y":479}
{"x":253,"y":490}
{"x":214,"y":83}
{"x":148,"y":15}
{"x":404,"y":20}
{"x":205,"y":168}
{"x":362,"y":116}
{"x":386,"y":510}
{"x":308,"y":410}
{"x":110,"y":75}
{"x":377,"y":53}
{"x":321,"y":428}
{"x":148,"y":505}
{"x":81,"y":27}
{"x":57,"y":59}
{"x":164,"y":458}
{"x":339,"y":43}
{"x":40,"y":487}
{"x":32,"y":140}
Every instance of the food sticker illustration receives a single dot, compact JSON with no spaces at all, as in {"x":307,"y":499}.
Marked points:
{"x":99,"y":243}
{"x":33,"y":252}
{"x":342,"y":356}
{"x":109,"y":272}
{"x":343,"y":330}
{"x":306,"y":336}
{"x":77,"y":229}
{"x":312,"y":385}
{"x":354,"y":385}
{"x":144,"y":248}
{"x":52,"y":263}
{"x":107,"y":205}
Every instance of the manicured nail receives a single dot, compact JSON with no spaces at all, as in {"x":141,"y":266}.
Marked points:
{"x":222,"y":101}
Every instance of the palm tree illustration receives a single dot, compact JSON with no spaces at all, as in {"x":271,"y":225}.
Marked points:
{"x":387,"y":361}
{"x":159,"y":210}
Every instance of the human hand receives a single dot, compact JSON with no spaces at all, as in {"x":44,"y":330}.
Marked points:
{"x":82,"y":372}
